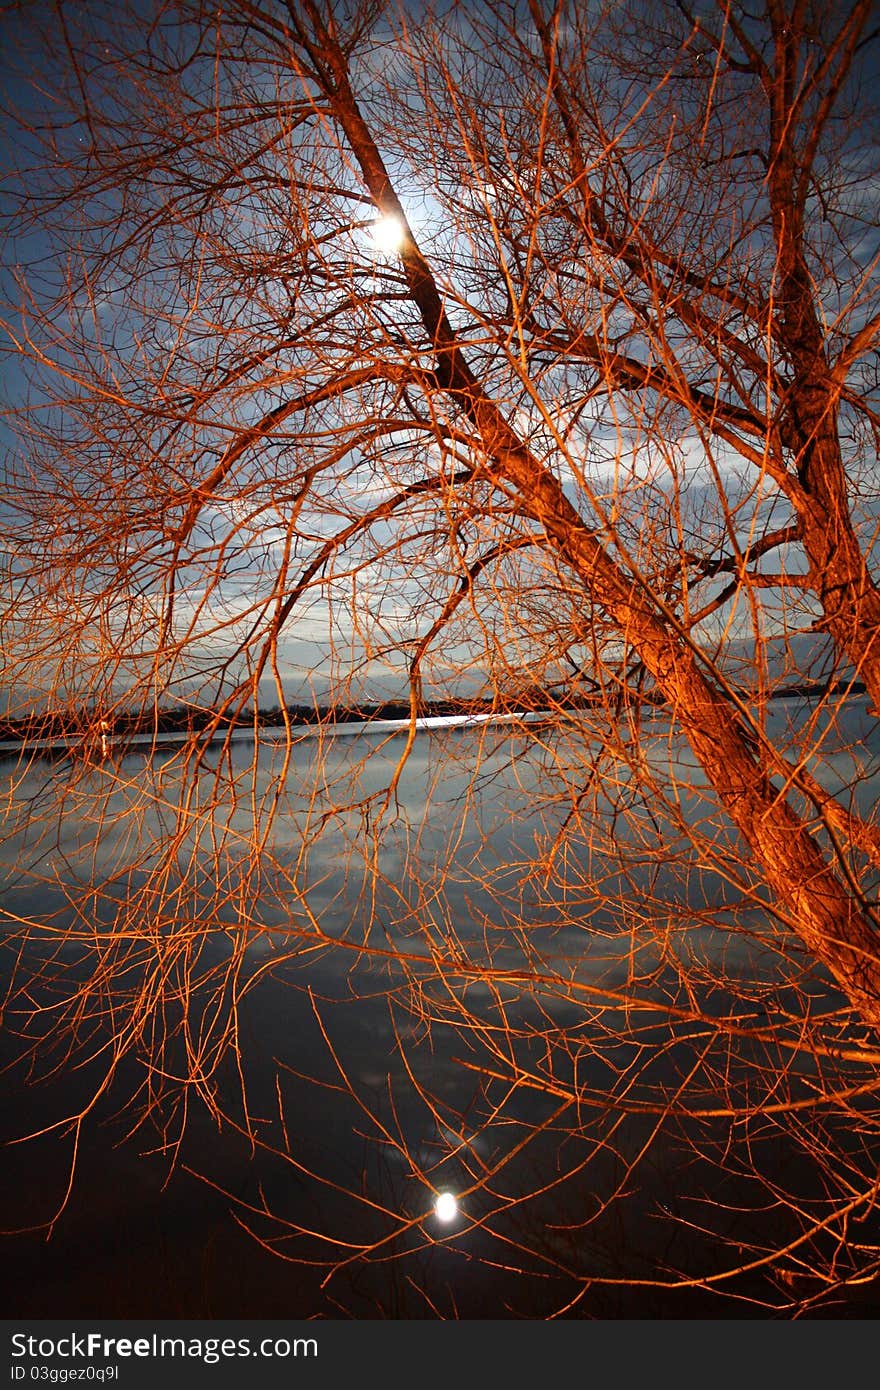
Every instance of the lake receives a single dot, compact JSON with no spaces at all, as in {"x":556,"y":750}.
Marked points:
{"x":274,"y":1004}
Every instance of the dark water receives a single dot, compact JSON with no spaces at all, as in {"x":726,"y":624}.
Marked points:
{"x":415,"y":1009}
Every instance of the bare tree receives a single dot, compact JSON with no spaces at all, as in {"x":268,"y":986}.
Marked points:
{"x":517,"y":349}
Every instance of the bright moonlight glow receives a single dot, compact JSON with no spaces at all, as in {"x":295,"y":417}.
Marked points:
{"x":445,"y":1207}
{"x":387,"y":235}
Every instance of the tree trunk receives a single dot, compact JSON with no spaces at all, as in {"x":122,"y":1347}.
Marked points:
{"x":809,"y":426}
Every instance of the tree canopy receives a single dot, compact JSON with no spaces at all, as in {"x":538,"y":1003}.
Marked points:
{"x":468,"y":351}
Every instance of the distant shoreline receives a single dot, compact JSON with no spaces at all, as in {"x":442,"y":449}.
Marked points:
{"x":98,"y":739}
{"x":100,"y":746}
{"x":81,"y":724}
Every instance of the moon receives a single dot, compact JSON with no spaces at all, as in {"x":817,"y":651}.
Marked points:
{"x":445,"y":1207}
{"x":387,"y":233}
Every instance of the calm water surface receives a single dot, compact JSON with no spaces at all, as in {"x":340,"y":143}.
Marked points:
{"x":392,"y":969}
